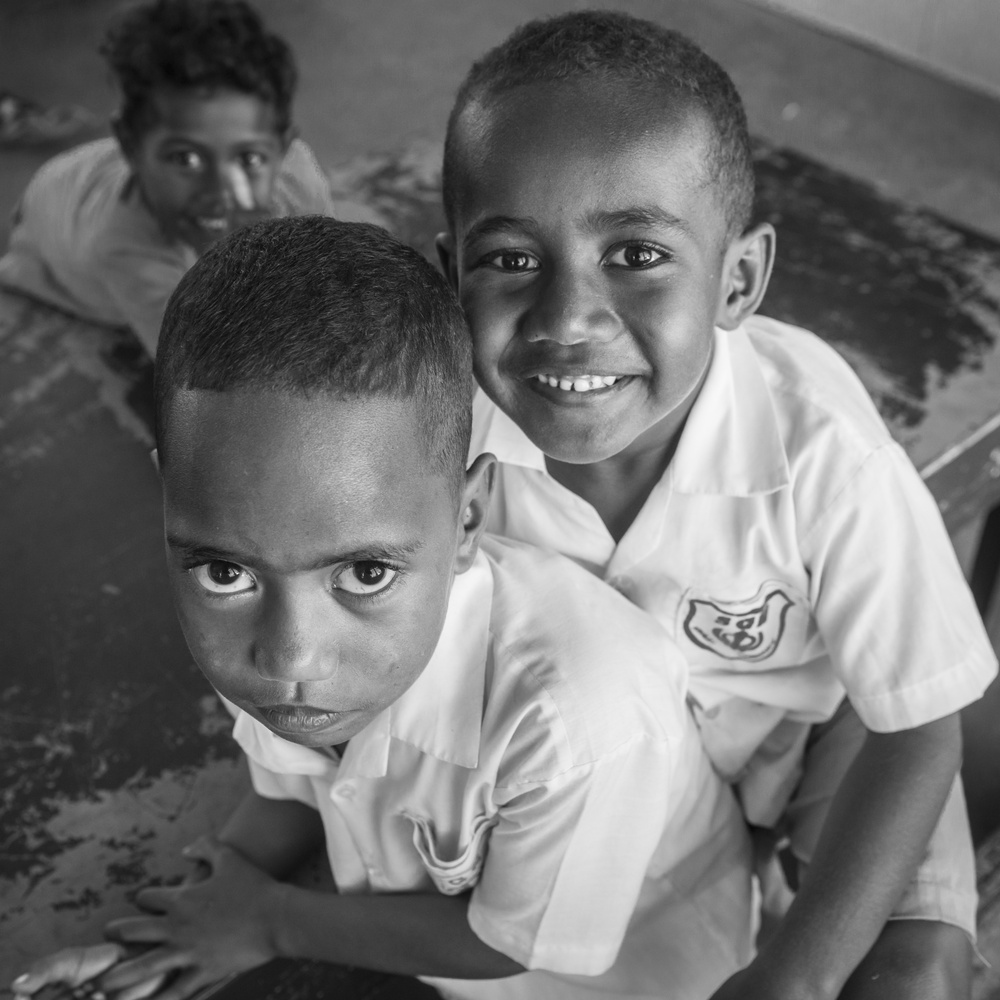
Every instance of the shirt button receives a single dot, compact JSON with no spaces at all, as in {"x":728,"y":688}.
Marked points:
{"x":345,"y":791}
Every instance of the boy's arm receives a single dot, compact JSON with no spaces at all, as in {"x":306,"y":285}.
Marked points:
{"x":274,"y":835}
{"x":875,"y":835}
{"x":239,"y":917}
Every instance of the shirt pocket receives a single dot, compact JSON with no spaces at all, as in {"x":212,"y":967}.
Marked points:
{"x":455,"y":875}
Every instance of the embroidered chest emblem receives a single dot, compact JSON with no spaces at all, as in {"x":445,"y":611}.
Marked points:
{"x":739,"y":630}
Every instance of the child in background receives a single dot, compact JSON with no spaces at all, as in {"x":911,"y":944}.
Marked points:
{"x":728,"y":474}
{"x":524,"y":788}
{"x":204,"y":144}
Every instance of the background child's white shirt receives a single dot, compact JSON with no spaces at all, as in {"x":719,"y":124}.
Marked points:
{"x":544,"y":759}
{"x":790,"y":549}
{"x":83,"y":241}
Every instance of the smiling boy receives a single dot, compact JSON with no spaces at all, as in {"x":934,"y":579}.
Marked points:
{"x":493,"y":745}
{"x":204,"y":144}
{"x":728,"y":474}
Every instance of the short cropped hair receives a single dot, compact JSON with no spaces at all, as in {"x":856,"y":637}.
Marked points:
{"x":616,"y":47}
{"x":311,"y":305}
{"x":197,"y":45}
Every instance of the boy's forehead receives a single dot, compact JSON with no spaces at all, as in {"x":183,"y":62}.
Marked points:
{"x":612,"y":110}
{"x":562,"y":128}
{"x":215,"y":110}
{"x":284,"y":434}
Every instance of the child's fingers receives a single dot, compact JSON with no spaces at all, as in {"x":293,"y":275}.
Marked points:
{"x":208,"y":850}
{"x":137,"y":930}
{"x":71,"y":966}
{"x":141,"y":990}
{"x":156,"y":899}
{"x":156,"y":963}
{"x":185,"y":985}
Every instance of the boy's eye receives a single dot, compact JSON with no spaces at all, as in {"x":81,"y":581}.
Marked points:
{"x":364,"y":577}
{"x":252,"y":160}
{"x":636,"y":255}
{"x":515,"y":261}
{"x":186,"y":159}
{"x":218,"y":577}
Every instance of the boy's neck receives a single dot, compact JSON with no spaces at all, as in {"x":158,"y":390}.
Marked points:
{"x":616,"y":487}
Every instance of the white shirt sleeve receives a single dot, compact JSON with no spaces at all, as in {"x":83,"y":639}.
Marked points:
{"x":140,"y":285}
{"x":891,"y":602}
{"x":568,"y":858}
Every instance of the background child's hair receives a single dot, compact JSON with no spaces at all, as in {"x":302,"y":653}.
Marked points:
{"x":197,"y":44}
{"x":311,"y":305}
{"x":619,"y":48}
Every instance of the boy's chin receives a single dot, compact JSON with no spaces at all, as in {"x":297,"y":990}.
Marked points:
{"x":579,"y":448}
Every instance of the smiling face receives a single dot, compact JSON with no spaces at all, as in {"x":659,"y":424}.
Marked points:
{"x":208,"y":163}
{"x":311,"y":551}
{"x":588,"y":251}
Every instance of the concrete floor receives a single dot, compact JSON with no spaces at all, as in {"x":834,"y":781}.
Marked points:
{"x":375,"y":76}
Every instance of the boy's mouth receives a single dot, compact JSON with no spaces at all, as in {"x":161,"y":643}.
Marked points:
{"x":298,"y":719}
{"x":578,"y":383}
{"x":216,"y":224}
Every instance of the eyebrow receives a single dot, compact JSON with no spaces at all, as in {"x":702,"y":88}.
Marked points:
{"x":498,"y":225}
{"x":636,"y":217}
{"x":376,"y":552}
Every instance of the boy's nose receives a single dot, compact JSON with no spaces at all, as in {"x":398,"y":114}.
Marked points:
{"x":216,"y":190}
{"x":570,"y":310}
{"x":295,"y":639}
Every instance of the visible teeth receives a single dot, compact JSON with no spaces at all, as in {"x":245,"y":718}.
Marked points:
{"x":579,"y":383}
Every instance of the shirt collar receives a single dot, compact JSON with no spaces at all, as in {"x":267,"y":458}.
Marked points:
{"x":730,"y":445}
{"x":495,"y":432}
{"x":440,"y":713}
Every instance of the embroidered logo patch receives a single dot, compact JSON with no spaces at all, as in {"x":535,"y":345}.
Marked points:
{"x":739,"y":630}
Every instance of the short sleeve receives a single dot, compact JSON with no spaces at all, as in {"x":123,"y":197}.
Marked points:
{"x":140,"y":286}
{"x":301,"y":187}
{"x":891,"y":601}
{"x":568,"y":858}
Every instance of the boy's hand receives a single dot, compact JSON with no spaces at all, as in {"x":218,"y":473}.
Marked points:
{"x":70,"y":967}
{"x":201,"y":931}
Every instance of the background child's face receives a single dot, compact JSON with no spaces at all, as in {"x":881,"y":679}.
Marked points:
{"x":311,"y":552}
{"x":588,"y":252}
{"x":208,"y":164}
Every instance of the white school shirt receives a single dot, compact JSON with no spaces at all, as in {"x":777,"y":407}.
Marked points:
{"x":545,"y":760}
{"x":790,"y":548}
{"x":84,"y":241}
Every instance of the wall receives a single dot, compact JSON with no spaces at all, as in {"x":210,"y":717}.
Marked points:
{"x":957,"y":38}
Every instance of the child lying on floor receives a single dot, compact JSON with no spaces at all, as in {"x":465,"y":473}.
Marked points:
{"x":204,"y":144}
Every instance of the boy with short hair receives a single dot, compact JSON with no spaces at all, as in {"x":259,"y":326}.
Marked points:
{"x":728,"y":474}
{"x":493,"y":745}
{"x":204,"y":143}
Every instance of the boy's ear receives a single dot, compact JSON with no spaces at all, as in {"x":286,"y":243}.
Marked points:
{"x":445,"y":244}
{"x":746,"y":270}
{"x":479,"y":480}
